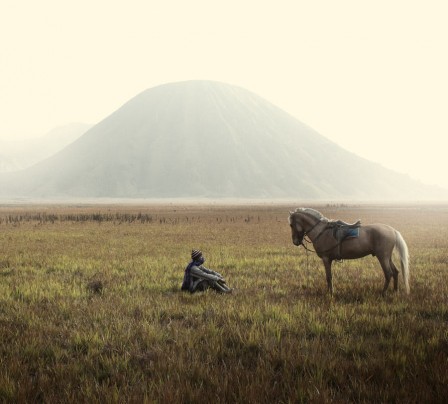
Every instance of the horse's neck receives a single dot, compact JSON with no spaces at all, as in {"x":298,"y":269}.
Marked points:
{"x":311,"y":223}
{"x":316,"y":228}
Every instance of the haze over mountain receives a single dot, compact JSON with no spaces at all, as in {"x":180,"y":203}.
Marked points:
{"x":199,"y":139}
{"x":19,"y":154}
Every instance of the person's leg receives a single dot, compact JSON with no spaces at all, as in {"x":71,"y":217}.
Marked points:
{"x":221,"y":287}
{"x":202,"y":286}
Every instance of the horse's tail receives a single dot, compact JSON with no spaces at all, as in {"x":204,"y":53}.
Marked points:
{"x":403,"y":251}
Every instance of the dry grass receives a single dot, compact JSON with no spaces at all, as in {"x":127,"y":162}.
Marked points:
{"x":90,"y":309}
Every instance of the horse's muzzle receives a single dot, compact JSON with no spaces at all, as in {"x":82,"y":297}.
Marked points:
{"x":298,"y":241}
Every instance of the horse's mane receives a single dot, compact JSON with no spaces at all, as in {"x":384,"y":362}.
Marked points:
{"x":312,"y":212}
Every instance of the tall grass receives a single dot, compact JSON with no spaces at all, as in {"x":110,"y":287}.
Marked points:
{"x":90,"y":309}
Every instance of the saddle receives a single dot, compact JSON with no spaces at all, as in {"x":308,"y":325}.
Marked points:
{"x":342,"y":230}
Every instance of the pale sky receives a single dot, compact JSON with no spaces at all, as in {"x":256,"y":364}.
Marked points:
{"x":371,"y":76}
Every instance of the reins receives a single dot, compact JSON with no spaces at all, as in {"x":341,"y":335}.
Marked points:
{"x":314,"y":251}
{"x":317,"y":237}
{"x":308,"y":242}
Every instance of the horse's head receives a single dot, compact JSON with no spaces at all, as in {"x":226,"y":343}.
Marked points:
{"x":301,"y":221}
{"x":297,"y":229}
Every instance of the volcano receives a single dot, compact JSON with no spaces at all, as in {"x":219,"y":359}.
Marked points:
{"x":203,"y":139}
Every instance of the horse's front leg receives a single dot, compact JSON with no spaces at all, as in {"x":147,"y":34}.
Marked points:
{"x":327,"y":263}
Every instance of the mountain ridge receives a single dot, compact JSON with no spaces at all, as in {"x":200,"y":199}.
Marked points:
{"x":23,"y":153}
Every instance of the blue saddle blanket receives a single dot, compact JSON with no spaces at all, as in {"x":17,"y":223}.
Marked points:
{"x":342,"y":232}
{"x":351,"y":233}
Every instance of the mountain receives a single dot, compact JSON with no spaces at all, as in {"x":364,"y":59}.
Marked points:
{"x":207,"y":139}
{"x":19,"y":154}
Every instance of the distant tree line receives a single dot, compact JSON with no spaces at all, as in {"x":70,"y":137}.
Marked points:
{"x":76,"y":217}
{"x":40,"y":218}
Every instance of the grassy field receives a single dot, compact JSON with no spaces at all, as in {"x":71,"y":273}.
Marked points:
{"x":90,"y":308}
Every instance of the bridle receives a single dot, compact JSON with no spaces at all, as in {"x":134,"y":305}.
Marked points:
{"x":306,"y":233}
{"x":309,"y":241}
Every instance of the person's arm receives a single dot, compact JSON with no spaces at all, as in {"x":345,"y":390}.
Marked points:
{"x":211,"y":272}
{"x":200,"y":273}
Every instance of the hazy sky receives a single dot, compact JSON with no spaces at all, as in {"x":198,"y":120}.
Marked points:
{"x":371,"y":76}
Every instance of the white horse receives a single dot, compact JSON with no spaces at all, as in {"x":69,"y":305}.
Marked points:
{"x":377,"y":239}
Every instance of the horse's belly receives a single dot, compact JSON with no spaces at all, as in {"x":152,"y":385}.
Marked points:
{"x":355,"y":248}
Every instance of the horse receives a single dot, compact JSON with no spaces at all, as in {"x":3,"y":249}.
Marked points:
{"x":329,"y":242}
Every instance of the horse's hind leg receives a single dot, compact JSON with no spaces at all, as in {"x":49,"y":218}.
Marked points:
{"x":394,"y":274}
{"x":385,"y":265}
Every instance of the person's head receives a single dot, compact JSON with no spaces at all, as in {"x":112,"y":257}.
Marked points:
{"x":196,"y":255}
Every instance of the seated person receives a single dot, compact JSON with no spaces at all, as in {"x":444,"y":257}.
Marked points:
{"x":199,"y":278}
